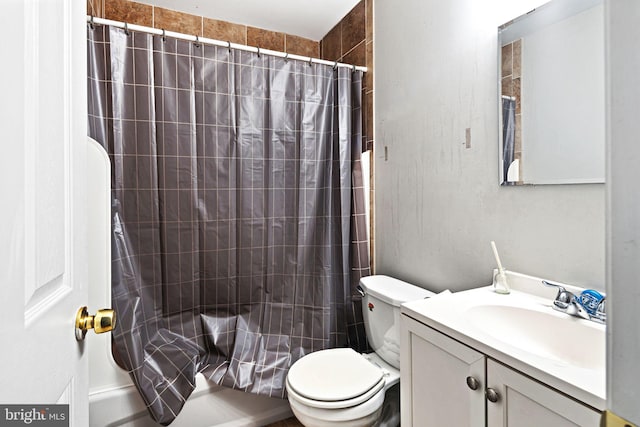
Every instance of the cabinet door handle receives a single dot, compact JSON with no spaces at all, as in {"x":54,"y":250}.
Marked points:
{"x":472,"y":383}
{"x":492,"y":395}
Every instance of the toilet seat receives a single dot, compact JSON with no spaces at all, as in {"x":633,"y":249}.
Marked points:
{"x":336,"y":404}
{"x":334,"y":379}
{"x":360,"y":415}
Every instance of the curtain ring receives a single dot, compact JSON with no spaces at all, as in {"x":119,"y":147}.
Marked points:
{"x":310,"y":59}
{"x":335,"y":66}
{"x":197,"y":42}
{"x":258,"y":51}
{"x":126,"y":28}
{"x":354,"y":69}
{"x":91,"y":23}
{"x":286,"y":57}
{"x":164,"y":35}
{"x":229,"y":45}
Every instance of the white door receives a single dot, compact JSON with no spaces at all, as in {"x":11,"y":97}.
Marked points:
{"x":622,"y":35}
{"x":43,"y":236}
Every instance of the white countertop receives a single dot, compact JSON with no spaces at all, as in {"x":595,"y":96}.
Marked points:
{"x":581,"y":375}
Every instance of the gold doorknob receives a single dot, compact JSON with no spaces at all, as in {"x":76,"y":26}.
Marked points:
{"x":103,"y":321}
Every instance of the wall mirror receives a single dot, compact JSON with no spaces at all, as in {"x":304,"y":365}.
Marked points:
{"x":551,"y":91}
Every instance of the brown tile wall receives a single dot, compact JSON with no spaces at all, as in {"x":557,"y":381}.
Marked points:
{"x":158,"y":17}
{"x":351,"y":41}
{"x":265,"y":38}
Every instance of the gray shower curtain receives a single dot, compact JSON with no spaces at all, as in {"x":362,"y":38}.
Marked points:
{"x":238,"y":211}
{"x":508,"y":136}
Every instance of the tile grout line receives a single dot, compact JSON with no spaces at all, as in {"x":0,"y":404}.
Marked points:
{"x":355,"y":47}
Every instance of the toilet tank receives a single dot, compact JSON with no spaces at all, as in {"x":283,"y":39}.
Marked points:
{"x":381,"y":311}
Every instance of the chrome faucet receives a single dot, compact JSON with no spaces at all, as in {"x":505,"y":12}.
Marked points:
{"x":588,"y":305}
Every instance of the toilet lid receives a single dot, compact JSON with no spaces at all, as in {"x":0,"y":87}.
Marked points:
{"x":333,"y":375}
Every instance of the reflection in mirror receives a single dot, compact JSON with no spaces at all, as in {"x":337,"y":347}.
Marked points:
{"x":552,"y":95}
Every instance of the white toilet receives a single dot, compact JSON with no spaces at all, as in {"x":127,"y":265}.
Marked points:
{"x":340,"y":387}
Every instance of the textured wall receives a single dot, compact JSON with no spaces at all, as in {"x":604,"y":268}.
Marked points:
{"x":438,"y":203}
{"x":171,"y":20}
{"x":351,"y":42}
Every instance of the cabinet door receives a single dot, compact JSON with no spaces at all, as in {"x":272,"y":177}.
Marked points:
{"x":523,"y":402}
{"x":433,"y":371}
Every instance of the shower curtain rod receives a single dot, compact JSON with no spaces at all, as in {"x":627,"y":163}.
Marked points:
{"x":197,"y":39}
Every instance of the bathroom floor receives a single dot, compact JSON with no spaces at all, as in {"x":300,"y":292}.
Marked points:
{"x":289,"y":422}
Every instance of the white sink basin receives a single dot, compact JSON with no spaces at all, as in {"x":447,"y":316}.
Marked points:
{"x":524,"y":331}
{"x":550,"y":334}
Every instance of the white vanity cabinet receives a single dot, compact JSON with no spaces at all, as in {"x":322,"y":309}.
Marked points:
{"x":524,"y":402}
{"x":433,"y":379}
{"x":447,"y":383}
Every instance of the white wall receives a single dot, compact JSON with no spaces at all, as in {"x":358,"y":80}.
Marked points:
{"x":438,"y":204}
